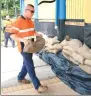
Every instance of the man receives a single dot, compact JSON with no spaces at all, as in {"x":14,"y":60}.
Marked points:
{"x":22,"y":29}
{"x":7,"y":32}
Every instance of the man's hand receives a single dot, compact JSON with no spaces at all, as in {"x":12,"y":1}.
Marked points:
{"x":38,"y":35}
{"x":25,"y":41}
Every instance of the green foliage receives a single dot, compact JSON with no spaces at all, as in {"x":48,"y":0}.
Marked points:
{"x":10,"y":7}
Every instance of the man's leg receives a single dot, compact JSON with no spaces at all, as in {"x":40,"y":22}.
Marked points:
{"x":23,"y":72}
{"x":28,"y":62}
{"x":6,"y":37}
{"x":12,"y":42}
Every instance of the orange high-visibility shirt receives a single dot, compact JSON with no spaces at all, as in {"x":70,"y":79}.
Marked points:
{"x":23,"y":28}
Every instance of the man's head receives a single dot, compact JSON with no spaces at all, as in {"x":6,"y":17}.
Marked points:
{"x":29,"y":11}
{"x":7,"y":17}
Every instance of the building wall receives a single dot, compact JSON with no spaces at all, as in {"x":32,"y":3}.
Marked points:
{"x":45,"y":10}
{"x":29,"y":2}
{"x":78,"y":9}
{"x":77,"y":14}
{"x":74,"y":9}
{"x":87,"y":11}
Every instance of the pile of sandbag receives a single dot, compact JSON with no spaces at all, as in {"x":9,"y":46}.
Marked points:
{"x":52,"y":45}
{"x":78,"y":53}
{"x":72,"y":49}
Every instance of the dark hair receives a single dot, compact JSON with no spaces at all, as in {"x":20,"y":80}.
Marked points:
{"x":30,"y":5}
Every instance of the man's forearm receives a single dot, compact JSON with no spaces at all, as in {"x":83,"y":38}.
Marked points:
{"x":16,"y":38}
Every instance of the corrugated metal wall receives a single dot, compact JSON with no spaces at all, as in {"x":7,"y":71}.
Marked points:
{"x":74,"y":9}
{"x":87,"y":11}
{"x":78,"y":9}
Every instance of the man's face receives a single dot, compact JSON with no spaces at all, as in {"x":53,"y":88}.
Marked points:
{"x":29,"y":11}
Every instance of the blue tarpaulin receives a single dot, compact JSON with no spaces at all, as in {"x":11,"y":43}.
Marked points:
{"x":71,"y":74}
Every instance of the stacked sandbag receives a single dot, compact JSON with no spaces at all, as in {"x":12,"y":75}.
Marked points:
{"x":69,"y":50}
{"x":70,"y":58}
{"x":77,"y":53}
{"x":52,"y":41}
{"x":52,"y":45}
{"x":86,"y":68}
{"x":73,"y":50}
{"x":86,"y":53}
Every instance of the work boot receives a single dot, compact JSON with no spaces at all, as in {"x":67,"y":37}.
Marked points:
{"x":42,"y":89}
{"x":24,"y":81}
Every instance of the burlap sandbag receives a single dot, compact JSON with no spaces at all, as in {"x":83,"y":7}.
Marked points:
{"x":54,"y":47}
{"x":87,"y":62}
{"x":78,"y":58}
{"x":52,"y":41}
{"x":86,"y":68}
{"x":85,"y":52}
{"x":69,"y":53}
{"x":34,"y":46}
{"x":70,"y":58}
{"x":68,"y":48}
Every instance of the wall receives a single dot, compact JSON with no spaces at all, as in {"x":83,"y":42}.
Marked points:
{"x":78,"y":9}
{"x":74,"y":9}
{"x":87,"y":11}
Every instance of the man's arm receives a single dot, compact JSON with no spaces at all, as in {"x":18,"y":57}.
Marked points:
{"x":16,"y":38}
{"x":15,"y":30}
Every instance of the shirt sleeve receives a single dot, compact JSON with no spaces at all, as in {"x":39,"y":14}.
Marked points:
{"x":16,"y":27}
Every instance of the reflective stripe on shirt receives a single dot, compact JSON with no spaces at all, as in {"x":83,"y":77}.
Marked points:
{"x":26,"y":30}
{"x":16,"y":28}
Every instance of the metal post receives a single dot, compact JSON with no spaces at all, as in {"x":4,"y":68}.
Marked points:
{"x":22,"y":5}
{"x":36,"y":9}
{"x":62,"y":9}
{"x":56,"y":21}
{"x":61,"y":16}
{"x":36,"y":15}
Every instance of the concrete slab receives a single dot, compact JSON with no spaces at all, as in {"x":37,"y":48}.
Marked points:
{"x":53,"y":89}
{"x":11,"y":63}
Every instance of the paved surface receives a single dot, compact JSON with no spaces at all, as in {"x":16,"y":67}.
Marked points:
{"x":55,"y":87}
{"x":11,"y":63}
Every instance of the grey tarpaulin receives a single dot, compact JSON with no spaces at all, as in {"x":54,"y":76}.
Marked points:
{"x":69,"y":73}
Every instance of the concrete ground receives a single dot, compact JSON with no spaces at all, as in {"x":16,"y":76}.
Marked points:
{"x":58,"y":88}
{"x":11,"y":62}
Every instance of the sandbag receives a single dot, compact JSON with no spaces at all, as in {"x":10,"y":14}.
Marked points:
{"x":54,"y":51}
{"x":85,"y":52}
{"x":64,"y":43}
{"x":52,"y":41}
{"x":75,"y":44}
{"x":78,"y":58}
{"x":86,"y":68}
{"x":87,"y":62}
{"x":68,"y":48}
{"x":69,"y":53}
{"x":34,"y":46}
{"x":70,"y":58}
